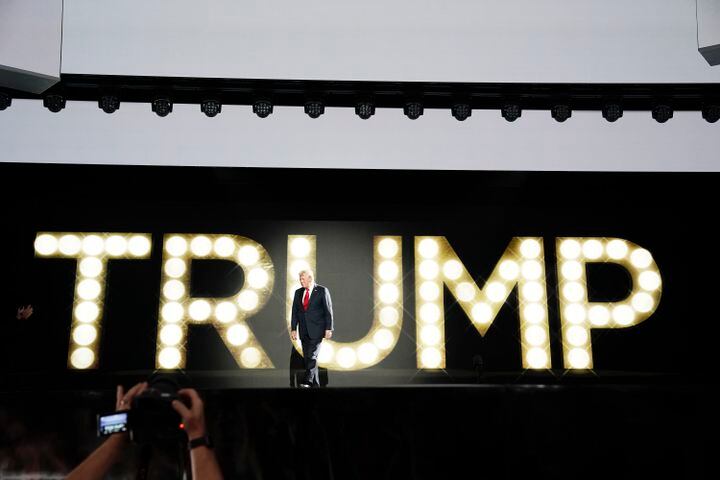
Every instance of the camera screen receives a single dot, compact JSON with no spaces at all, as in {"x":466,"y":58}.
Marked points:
{"x":112,"y":423}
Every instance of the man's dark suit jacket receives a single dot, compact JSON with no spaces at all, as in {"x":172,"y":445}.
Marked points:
{"x":319,"y":315}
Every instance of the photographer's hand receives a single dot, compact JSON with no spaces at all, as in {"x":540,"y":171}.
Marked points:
{"x":23,"y":313}
{"x":106,"y":455}
{"x":202,"y":458}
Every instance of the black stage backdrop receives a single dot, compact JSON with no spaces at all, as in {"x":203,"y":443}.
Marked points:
{"x":672,"y":354}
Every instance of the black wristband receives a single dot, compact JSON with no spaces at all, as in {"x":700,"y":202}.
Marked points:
{"x":200,"y":441}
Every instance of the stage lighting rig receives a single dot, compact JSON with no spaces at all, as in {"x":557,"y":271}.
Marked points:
{"x":662,"y":113}
{"x":461,"y":111}
{"x":511,"y":111}
{"x":54,"y":103}
{"x":109,"y":103}
{"x":262,"y":108}
{"x":211,"y":107}
{"x":711,"y":113}
{"x":561,"y":112}
{"x":314,"y":108}
{"x":5,"y":101}
{"x":612,"y":112}
{"x":413,"y":110}
{"x":365,"y":110}
{"x":162,"y":106}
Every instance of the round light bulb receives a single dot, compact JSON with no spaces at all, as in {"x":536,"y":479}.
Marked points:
{"x":570,"y":248}
{"x":537,"y":358}
{"x":93,"y":245}
{"x":175,"y":267}
{"x":592,"y":249}
{"x":388,"y":248}
{"x":248,"y":300}
{"x":481,"y":313}
{"x":577,"y":335}
{"x":430,"y":357}
{"x":176,"y":246}
{"x":116,"y":246}
{"x":428,"y":248}
{"x":250,"y":357}
{"x":465,"y":291}
{"x":452,"y":269}
{"x":430,"y":335}
{"x":346,"y":357}
{"x":199,"y":310}
{"x":599,"y":315}
{"x":641,"y":258}
{"x":300,"y":247}
{"x":429,"y":269}
{"x":388,"y":270}
{"x":496,"y":292}
{"x":531,"y":270}
{"x":237,"y":335}
{"x":172,"y":312}
{"x":383,"y":338}
{"x":171,"y":334}
{"x":84,"y":334}
{"x":169,"y":358}
{"x":389,"y":316}
{"x":579,"y":358}
{"x":249,"y":255}
{"x":509,"y":269}
{"x":617,"y":249}
{"x":533,"y":313}
{"x":91,"y":267}
{"x":87,"y":312}
{"x":224,"y":247}
{"x":139,"y":246}
{"x":226,"y":312}
{"x":82,"y":358}
{"x":430,"y":313}
{"x":258,"y":278}
{"x":69,"y":245}
{"x":46,"y":244}
{"x":201,"y":246}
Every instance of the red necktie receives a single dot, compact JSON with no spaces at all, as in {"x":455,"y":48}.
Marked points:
{"x":306,"y":299}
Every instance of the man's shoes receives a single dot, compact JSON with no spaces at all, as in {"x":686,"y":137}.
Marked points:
{"x":305,"y":385}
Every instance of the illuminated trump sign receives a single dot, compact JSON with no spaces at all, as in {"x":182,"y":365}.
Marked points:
{"x":436,"y":265}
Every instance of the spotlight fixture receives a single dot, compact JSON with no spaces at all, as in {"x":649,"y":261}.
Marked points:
{"x":365,"y":110}
{"x":263,"y":108}
{"x":109,"y":103}
{"x":210,"y":107}
{"x":54,"y":103}
{"x":561,"y":112}
{"x":662,"y":113}
{"x":511,"y":112}
{"x":162,"y":106}
{"x":413,"y":110}
{"x":461,"y":111}
{"x":711,"y":113}
{"x":314,"y":108}
{"x":612,"y":111}
{"x":5,"y":101}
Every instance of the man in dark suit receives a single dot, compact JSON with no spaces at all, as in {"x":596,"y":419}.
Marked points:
{"x":312,"y":315}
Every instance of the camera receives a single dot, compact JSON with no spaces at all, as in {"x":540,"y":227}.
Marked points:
{"x":151,"y":418}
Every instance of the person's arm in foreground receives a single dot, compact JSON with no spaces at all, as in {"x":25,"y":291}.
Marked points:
{"x":99,"y":463}
{"x":203,"y":461}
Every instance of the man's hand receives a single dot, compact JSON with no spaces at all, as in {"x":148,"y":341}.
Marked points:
{"x":193,"y":417}
{"x":23,"y":313}
{"x":293,"y":335}
{"x":328,"y":334}
{"x":99,"y":463}
{"x":124,"y":400}
{"x":203,"y":462}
